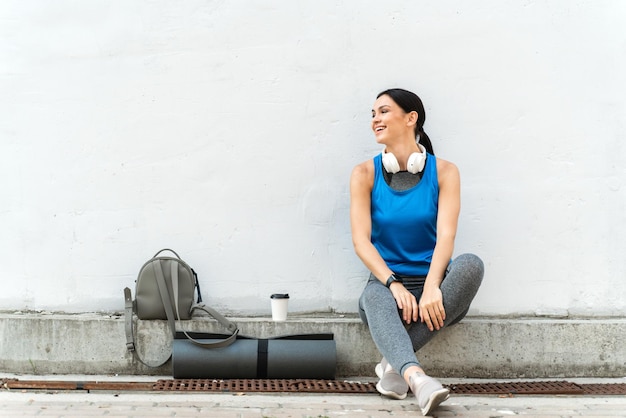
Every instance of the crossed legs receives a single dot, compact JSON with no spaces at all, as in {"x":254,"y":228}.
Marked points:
{"x":397,"y":344}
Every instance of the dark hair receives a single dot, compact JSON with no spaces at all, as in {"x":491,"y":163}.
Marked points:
{"x":410,"y":102}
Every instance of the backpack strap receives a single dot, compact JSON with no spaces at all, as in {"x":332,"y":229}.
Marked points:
{"x":131,"y":345}
{"x":230,"y":326}
{"x":128,"y":320}
{"x":167,"y":249}
{"x":197,"y":283}
{"x":172,"y":315}
{"x":165,"y":294}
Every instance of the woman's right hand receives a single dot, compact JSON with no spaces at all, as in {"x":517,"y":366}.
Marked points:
{"x":361,"y":183}
{"x":406,"y":302}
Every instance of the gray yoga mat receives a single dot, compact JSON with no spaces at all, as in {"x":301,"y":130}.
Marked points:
{"x":289,"y":357}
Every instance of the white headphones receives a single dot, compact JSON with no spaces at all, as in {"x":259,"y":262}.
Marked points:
{"x":414,"y":165}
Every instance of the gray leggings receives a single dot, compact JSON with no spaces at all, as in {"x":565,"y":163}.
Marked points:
{"x":378,"y":309}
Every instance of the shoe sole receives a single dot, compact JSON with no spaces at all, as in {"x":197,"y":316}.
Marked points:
{"x":379,"y":370}
{"x":436,"y":398}
{"x":389,"y":393}
{"x":380,"y":373}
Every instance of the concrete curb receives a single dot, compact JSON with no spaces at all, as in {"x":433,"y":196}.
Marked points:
{"x":496,"y":348}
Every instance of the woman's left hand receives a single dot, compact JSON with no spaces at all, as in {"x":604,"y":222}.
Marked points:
{"x":431,"y":308}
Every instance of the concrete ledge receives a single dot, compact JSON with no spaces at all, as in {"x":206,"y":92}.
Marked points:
{"x":493,"y":348}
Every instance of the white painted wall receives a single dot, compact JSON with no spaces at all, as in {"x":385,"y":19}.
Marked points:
{"x":227,"y":130}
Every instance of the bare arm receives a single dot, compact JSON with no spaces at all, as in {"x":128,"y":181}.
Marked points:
{"x":431,"y":303}
{"x":361,"y":183}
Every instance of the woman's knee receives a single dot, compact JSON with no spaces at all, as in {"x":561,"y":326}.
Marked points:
{"x":471,"y":264}
{"x":374,"y":300}
{"x":464,"y":277}
{"x":458,"y":318}
{"x":371,"y":295}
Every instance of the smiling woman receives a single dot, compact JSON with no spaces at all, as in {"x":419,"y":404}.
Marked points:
{"x":402,"y":103}
{"x":404,"y":210}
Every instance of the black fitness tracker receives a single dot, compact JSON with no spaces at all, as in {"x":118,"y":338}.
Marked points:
{"x":393,"y":278}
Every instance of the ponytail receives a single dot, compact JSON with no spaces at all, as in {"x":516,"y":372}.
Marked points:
{"x":423,"y":139}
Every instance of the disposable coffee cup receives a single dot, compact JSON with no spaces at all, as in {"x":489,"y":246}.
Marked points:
{"x":279,"y":306}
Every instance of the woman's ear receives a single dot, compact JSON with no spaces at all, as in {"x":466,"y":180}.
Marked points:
{"x":413,"y":117}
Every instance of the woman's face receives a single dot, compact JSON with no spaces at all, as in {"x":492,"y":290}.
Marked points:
{"x":390,"y":121}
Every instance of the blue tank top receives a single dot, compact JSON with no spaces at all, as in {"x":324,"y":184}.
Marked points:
{"x":404,"y":223}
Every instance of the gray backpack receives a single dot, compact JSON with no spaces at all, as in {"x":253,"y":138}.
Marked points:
{"x":165,"y":289}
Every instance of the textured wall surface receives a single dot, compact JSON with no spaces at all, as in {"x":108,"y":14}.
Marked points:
{"x":228,"y":131}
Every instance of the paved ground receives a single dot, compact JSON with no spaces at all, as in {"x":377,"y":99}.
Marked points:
{"x":17,"y":403}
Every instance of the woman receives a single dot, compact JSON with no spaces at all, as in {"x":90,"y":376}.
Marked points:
{"x":404,"y":210}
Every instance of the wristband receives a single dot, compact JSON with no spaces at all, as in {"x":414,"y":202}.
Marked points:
{"x":393,"y":278}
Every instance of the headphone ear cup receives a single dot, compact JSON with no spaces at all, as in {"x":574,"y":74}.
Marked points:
{"x":390,"y":162}
{"x":416,"y":161}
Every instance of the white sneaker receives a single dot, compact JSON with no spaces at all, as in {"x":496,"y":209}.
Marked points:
{"x":428,"y":391}
{"x":391,"y":384}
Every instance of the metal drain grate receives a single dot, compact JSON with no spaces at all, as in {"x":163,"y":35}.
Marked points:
{"x":604,"y":389}
{"x":74,"y":385}
{"x":517,"y":388}
{"x":538,"y":388}
{"x":312,"y":386}
{"x":265,"y":385}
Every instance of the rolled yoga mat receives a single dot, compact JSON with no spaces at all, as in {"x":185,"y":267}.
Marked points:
{"x":290,"y":357}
